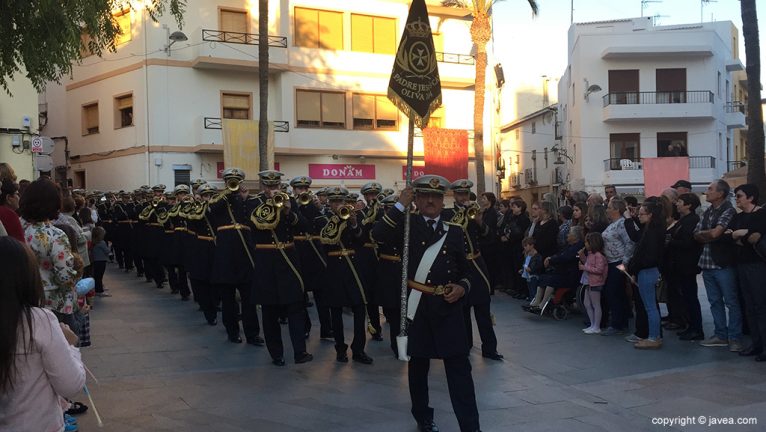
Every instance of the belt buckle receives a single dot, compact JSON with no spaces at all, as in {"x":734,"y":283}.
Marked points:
{"x":237,"y":226}
{"x":280,"y":245}
{"x":439,"y":290}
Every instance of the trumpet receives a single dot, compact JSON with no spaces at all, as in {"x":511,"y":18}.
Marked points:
{"x":345,"y":212}
{"x":155,"y":201}
{"x":232,"y":184}
{"x":305,"y":198}
{"x":472,"y":210}
{"x":279,"y":199}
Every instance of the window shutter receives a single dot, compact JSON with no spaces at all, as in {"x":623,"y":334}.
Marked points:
{"x":306,"y":28}
{"x":333,"y":108}
{"x":234,"y":21}
{"x":91,"y":116}
{"x":309,"y":106}
{"x":385,"y":110}
{"x":236,"y":101}
{"x":385,"y":35}
{"x":330,"y":30}
{"x":123,"y":20}
{"x":125,"y":102}
{"x":364,"y":106}
{"x":361,"y":33}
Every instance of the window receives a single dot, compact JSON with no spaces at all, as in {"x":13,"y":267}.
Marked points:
{"x":436,"y":119}
{"x":318,"y":29}
{"x":534,"y":127}
{"x":373,"y":34}
{"x":123,"y":20}
{"x":719,"y":85}
{"x":671,"y":85}
{"x":320,"y":109}
{"x":623,"y":86}
{"x":672,"y":144}
{"x":182,"y":176}
{"x":123,"y":111}
{"x":624,"y":147}
{"x":235,"y":22}
{"x":374,"y":112}
{"x":236,"y":106}
{"x":90,"y":119}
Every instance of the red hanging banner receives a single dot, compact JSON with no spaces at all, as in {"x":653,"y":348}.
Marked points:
{"x":446,"y":152}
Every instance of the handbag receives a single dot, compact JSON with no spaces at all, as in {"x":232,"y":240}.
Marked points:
{"x":661,"y":290}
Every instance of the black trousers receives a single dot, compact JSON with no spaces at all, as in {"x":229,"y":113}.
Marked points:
{"x":323,"y":311}
{"x":119,"y":255}
{"x":676,"y":305}
{"x":229,"y":310}
{"x":393,"y":316}
{"x":751,"y":283}
{"x":272,"y":331}
{"x":99,"y":268}
{"x":461,"y":391}
{"x":614,"y":291}
{"x":178,"y":280}
{"x":206,"y":297}
{"x":155,"y":270}
{"x":484,"y":322}
{"x":139,"y":262}
{"x":373,"y":312}
{"x":687,"y":285}
{"x":357,"y":345}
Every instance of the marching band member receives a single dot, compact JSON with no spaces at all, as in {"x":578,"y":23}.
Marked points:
{"x":340,"y":232}
{"x":389,"y":278}
{"x":200,"y":253}
{"x":368,"y":259}
{"x":440,"y":277}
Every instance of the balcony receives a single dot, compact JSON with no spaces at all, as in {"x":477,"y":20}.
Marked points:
{"x":734,"y":113}
{"x":627,"y":171}
{"x":210,"y":136}
{"x":734,"y":165}
{"x":217,"y":123}
{"x":697,"y":104}
{"x":229,"y":50}
{"x":462,"y":59}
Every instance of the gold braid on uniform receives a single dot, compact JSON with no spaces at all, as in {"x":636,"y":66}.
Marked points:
{"x":331,"y":232}
{"x":162,"y":215}
{"x":266,"y":215}
{"x":459,"y":218}
{"x":146,"y":213}
{"x":372,"y":213}
{"x":174,"y":210}
{"x":197,"y":210}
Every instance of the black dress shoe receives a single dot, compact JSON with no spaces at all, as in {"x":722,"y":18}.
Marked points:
{"x":235,"y":339}
{"x":760,"y":358}
{"x":428,"y":426}
{"x":173,"y":290}
{"x":184,"y":298}
{"x":283,"y":321}
{"x":160,"y":285}
{"x":257,"y":341}
{"x":526,"y":308}
{"x":328,"y":335}
{"x":279,"y":361}
{"x":341,"y":357}
{"x":362,"y":357}
{"x":748,"y":352}
{"x":212,"y":322}
{"x":303,"y":357}
{"x":493,"y":355}
{"x":377,"y":337}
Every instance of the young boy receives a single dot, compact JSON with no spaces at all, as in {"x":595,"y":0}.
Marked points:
{"x":532,"y":268}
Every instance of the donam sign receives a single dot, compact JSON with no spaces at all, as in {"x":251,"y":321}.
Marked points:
{"x":342,"y":171}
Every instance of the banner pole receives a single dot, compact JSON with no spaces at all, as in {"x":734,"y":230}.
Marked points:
{"x":406,"y":245}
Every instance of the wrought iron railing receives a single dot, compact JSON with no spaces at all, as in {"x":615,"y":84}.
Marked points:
{"x":617,"y":164}
{"x":465,"y":59}
{"x":241,"y":38}
{"x":701,"y":162}
{"x":733,"y":107}
{"x":217,"y":123}
{"x":732,"y":165}
{"x":663,"y":97}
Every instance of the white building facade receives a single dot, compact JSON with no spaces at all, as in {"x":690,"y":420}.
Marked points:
{"x":633,"y":91}
{"x":18,"y":127}
{"x":151,"y":114}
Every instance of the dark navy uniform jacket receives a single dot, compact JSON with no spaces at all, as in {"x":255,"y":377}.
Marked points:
{"x":342,"y":280}
{"x":277,"y":280}
{"x":310,"y":251}
{"x":471,"y":232}
{"x":199,"y":256}
{"x":231,"y":264}
{"x":438,"y":329}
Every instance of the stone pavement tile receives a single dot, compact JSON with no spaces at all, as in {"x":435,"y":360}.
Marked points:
{"x":677,"y":406}
{"x":613,"y":422}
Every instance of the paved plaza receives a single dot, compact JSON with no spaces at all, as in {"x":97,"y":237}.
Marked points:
{"x":162,"y":368}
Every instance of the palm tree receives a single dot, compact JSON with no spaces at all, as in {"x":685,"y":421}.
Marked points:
{"x":263,"y":83}
{"x":481,"y":32}
{"x":755,"y":139}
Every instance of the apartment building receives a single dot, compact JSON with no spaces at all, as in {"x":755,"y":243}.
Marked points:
{"x":152,"y":112}
{"x":18,"y":128}
{"x":633,"y":91}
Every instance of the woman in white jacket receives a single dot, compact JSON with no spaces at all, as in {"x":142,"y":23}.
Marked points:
{"x":38,"y":361}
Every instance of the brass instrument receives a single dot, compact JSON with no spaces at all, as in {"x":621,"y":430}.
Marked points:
{"x":232,"y":184}
{"x":472,"y":210}
{"x":155,"y":201}
{"x":279,"y":199}
{"x":305,"y":198}
{"x":162,"y":215}
{"x":372,"y":212}
{"x":345,"y":212}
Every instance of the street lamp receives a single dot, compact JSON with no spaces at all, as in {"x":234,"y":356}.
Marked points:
{"x":176,"y":36}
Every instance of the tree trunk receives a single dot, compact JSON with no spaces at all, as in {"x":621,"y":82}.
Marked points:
{"x":263,"y":83}
{"x":478,"y":118}
{"x":755,"y":140}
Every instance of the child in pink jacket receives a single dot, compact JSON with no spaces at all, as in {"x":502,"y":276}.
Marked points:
{"x":595,"y":266}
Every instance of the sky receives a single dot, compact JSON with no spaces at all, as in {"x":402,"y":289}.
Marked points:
{"x":544,"y":38}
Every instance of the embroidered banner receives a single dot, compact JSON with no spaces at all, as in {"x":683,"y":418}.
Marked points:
{"x":342,"y":171}
{"x":446,"y":152}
